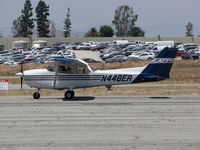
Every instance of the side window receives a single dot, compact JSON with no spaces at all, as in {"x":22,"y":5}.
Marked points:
{"x":62,"y":69}
{"x":65,"y":69}
{"x":69,"y":69}
{"x":80,"y":70}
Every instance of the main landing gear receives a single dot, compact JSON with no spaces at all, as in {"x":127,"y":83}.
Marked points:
{"x":69,"y":94}
{"x":36,"y":95}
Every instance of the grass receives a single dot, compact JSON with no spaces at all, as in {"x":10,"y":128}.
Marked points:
{"x":170,"y":90}
{"x":183,"y":72}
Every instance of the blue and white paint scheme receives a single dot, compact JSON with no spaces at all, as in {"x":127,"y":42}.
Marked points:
{"x":70,"y":74}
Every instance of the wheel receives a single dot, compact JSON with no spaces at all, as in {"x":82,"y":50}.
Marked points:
{"x":36,"y":95}
{"x":69,"y":94}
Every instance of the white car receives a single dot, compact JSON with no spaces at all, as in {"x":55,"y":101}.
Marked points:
{"x":157,"y":49}
{"x":197,"y":51}
{"x":142,"y":56}
{"x":146,"y":56}
{"x":83,"y":46}
{"x":134,"y":55}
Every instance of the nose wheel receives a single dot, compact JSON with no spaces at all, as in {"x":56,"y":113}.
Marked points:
{"x":69,"y":94}
{"x":36,"y":95}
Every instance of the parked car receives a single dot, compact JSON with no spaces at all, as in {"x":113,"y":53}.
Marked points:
{"x":109,"y":51}
{"x":117,"y":58}
{"x":112,"y":54}
{"x":157,"y":49}
{"x":188,"y":47}
{"x":90,"y":60}
{"x":25,"y":61}
{"x":141,"y":56}
{"x":99,"y":46}
{"x":197,"y":51}
{"x":83,"y":46}
{"x":180,"y":52}
{"x":190,"y":55}
{"x":128,"y":51}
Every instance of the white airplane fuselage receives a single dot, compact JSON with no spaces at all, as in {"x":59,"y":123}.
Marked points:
{"x":42,"y":78}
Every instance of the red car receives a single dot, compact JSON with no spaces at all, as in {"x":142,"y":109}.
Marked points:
{"x":180,"y":52}
{"x":25,"y":61}
{"x":99,"y":47}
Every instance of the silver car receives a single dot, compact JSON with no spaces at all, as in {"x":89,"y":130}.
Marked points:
{"x":117,"y":58}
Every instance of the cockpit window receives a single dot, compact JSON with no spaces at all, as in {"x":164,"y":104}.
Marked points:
{"x":66,"y":69}
{"x":69,"y":68}
{"x":80,"y":70}
{"x":51,"y":67}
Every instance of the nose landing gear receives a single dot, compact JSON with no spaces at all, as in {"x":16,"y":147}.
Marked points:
{"x":36,"y":95}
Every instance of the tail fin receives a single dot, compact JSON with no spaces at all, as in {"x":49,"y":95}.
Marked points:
{"x":159,"y":68}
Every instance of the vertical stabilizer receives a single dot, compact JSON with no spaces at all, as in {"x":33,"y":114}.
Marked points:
{"x":159,"y":68}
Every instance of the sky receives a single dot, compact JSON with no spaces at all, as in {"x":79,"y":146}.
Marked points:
{"x":167,"y":18}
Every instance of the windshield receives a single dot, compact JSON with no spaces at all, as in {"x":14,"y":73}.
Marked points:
{"x":51,"y":66}
{"x":93,"y":69}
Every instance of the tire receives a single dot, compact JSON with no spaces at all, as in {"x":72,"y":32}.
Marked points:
{"x":36,"y":95}
{"x":69,"y":94}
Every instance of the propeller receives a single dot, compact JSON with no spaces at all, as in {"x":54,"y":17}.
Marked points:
{"x":21,"y":75}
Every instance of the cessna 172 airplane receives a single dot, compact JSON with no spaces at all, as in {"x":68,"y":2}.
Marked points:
{"x":66,"y":73}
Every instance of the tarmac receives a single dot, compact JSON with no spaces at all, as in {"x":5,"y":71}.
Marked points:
{"x":94,"y":123}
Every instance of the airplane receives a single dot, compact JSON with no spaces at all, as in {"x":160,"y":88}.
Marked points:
{"x":68,"y":73}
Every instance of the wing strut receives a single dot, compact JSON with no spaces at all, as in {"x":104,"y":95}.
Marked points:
{"x":56,"y":74}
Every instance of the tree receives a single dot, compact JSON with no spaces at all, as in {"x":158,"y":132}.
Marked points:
{"x":124,"y":21}
{"x":16,"y":27}
{"x":52,"y":28}
{"x":26,"y":22}
{"x":189,"y":29}
{"x":106,"y":31}
{"x":42,"y":12}
{"x":136,"y":32}
{"x":92,"y":33}
{"x":67,"y":24}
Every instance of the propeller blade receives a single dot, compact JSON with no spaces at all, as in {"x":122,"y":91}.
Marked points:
{"x":22,"y":75}
{"x":21,"y":68}
{"x":21,"y":82}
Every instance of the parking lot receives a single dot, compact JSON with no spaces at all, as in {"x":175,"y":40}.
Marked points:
{"x":106,"y":51}
{"x":113,"y":123}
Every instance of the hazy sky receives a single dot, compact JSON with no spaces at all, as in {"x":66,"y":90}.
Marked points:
{"x":164,"y":17}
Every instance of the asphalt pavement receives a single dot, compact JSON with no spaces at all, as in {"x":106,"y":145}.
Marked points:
{"x":106,"y":123}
